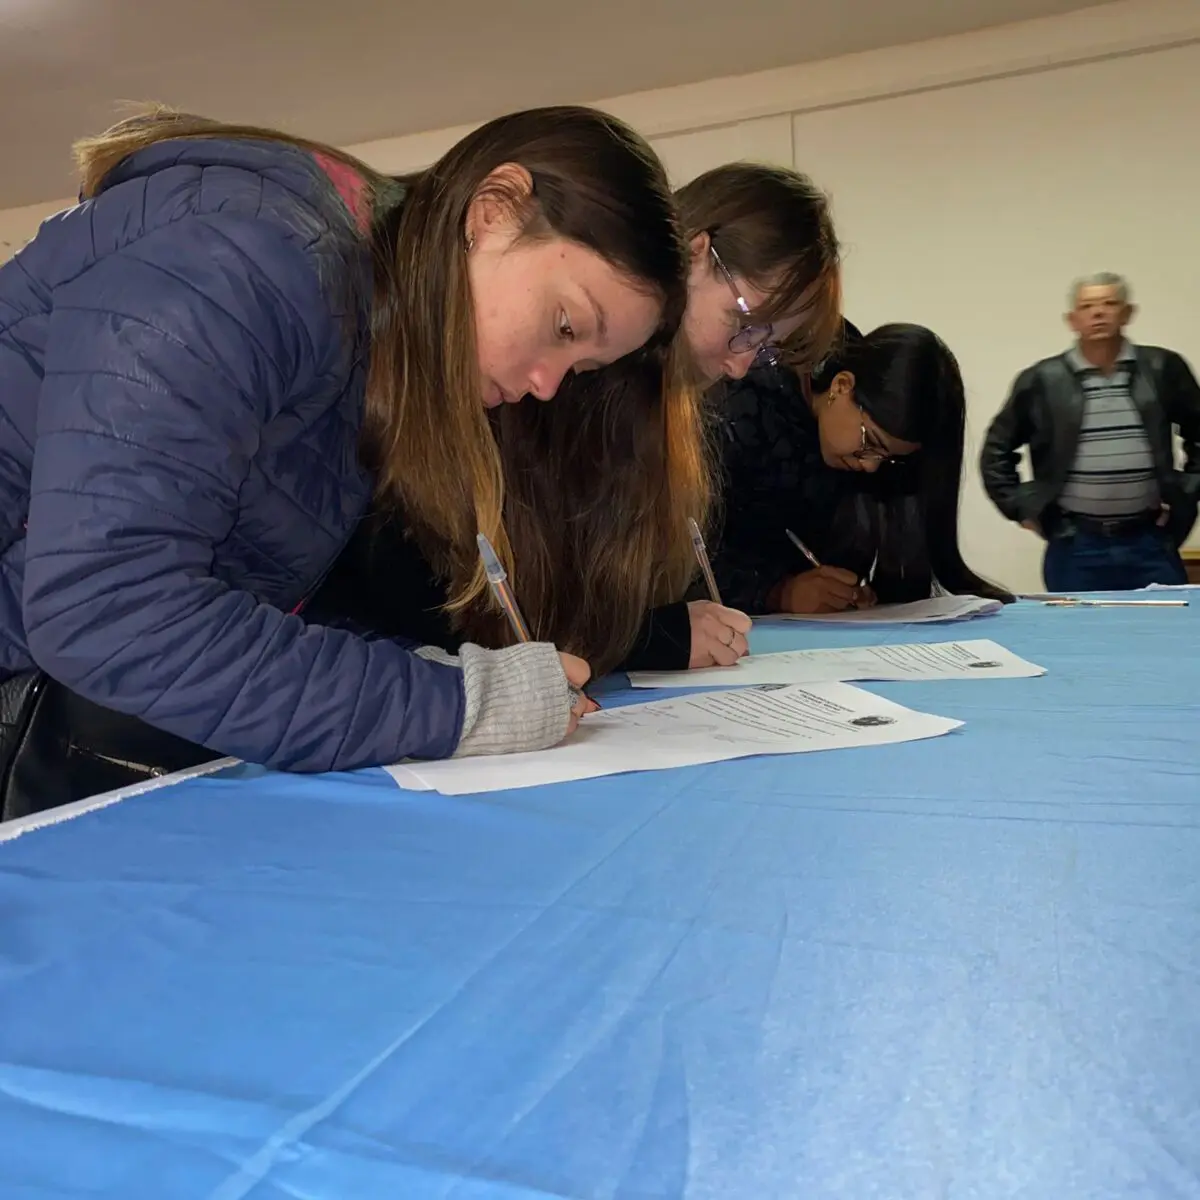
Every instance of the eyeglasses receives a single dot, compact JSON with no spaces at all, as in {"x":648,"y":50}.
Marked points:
{"x":866,"y":452}
{"x":749,"y":335}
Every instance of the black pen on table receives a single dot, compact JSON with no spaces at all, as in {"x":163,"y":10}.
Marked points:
{"x":1053,"y":599}
{"x":497,"y":578}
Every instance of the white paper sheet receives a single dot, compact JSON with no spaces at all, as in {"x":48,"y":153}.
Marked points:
{"x":919,"y":612}
{"x":405,"y":777}
{"x":980,"y":659}
{"x":687,"y":730}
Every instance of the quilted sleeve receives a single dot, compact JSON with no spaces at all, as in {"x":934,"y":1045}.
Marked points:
{"x":164,"y":363}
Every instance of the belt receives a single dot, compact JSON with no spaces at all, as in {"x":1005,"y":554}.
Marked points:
{"x":1112,"y":526}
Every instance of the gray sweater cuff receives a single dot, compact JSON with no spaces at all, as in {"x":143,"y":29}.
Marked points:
{"x":517,"y":699}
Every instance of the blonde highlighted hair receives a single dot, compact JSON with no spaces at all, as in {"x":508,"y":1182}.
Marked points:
{"x":594,"y":535}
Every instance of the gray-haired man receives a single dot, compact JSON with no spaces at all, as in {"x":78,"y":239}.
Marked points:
{"x":1107,"y":493}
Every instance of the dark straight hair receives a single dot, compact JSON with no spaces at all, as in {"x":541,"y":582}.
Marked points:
{"x":906,"y":513}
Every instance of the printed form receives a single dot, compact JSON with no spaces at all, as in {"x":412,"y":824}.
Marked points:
{"x":688,"y":730}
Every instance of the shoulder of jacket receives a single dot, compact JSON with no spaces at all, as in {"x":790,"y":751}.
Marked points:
{"x":1042,"y":371}
{"x":297,"y":205}
{"x":1156,"y":356}
{"x":273,"y":225}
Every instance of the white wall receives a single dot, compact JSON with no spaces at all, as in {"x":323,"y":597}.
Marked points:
{"x":973,"y":177}
{"x":971,"y":206}
{"x":971,"y":209}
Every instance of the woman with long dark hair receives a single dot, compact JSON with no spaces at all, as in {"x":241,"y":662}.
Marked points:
{"x":209,"y":366}
{"x":862,"y":461}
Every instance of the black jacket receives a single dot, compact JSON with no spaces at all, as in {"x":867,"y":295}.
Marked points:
{"x":1044,"y":412}
{"x":775,"y":479}
{"x":382,"y":584}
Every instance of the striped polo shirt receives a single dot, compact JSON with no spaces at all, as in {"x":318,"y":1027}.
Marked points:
{"x":1113,"y":474}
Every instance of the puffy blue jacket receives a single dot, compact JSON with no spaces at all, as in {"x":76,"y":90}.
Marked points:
{"x":182,"y":365}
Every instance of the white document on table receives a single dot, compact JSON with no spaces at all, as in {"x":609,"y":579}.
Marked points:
{"x":404,"y":776}
{"x":919,"y":612}
{"x":980,"y":659}
{"x":688,"y":730}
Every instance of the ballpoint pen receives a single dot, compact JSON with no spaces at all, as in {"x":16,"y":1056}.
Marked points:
{"x":497,"y":578}
{"x":1088,"y":602}
{"x":706,"y":570}
{"x":812,"y":558}
{"x":816,"y":562}
{"x":710,"y":580}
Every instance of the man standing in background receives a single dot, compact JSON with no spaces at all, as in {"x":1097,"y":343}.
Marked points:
{"x":1099,"y":422}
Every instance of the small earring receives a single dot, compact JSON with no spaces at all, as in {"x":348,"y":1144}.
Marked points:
{"x":470,"y":242}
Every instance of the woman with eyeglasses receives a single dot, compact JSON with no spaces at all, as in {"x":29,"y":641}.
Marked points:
{"x":765,"y":280}
{"x":763,"y":283}
{"x":861,"y":463}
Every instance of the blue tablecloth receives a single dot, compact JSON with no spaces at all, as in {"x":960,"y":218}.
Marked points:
{"x":966,"y":967}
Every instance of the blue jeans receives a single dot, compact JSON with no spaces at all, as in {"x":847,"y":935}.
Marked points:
{"x":1094,"y":562}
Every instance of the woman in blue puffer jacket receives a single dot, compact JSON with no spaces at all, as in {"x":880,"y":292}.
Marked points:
{"x":209,"y":366}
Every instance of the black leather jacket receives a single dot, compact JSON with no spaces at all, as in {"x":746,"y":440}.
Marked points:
{"x":1044,"y":412}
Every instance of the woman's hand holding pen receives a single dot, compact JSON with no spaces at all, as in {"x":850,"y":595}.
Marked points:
{"x":864,"y":596}
{"x":824,"y":589}
{"x":718,"y":635}
{"x":578,"y":673}
{"x":575,"y":669}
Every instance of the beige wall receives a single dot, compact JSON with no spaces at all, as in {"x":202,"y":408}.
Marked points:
{"x":18,"y":225}
{"x":972,"y":178}
{"x":970,"y":210}
{"x":970,"y":206}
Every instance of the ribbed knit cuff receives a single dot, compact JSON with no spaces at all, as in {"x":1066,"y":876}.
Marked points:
{"x":517,"y":699}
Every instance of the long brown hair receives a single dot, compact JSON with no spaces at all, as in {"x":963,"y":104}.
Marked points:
{"x":584,"y":570}
{"x":773,"y":227}
{"x":631,"y":466}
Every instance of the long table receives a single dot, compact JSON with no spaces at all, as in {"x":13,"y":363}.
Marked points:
{"x":960,"y":968}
